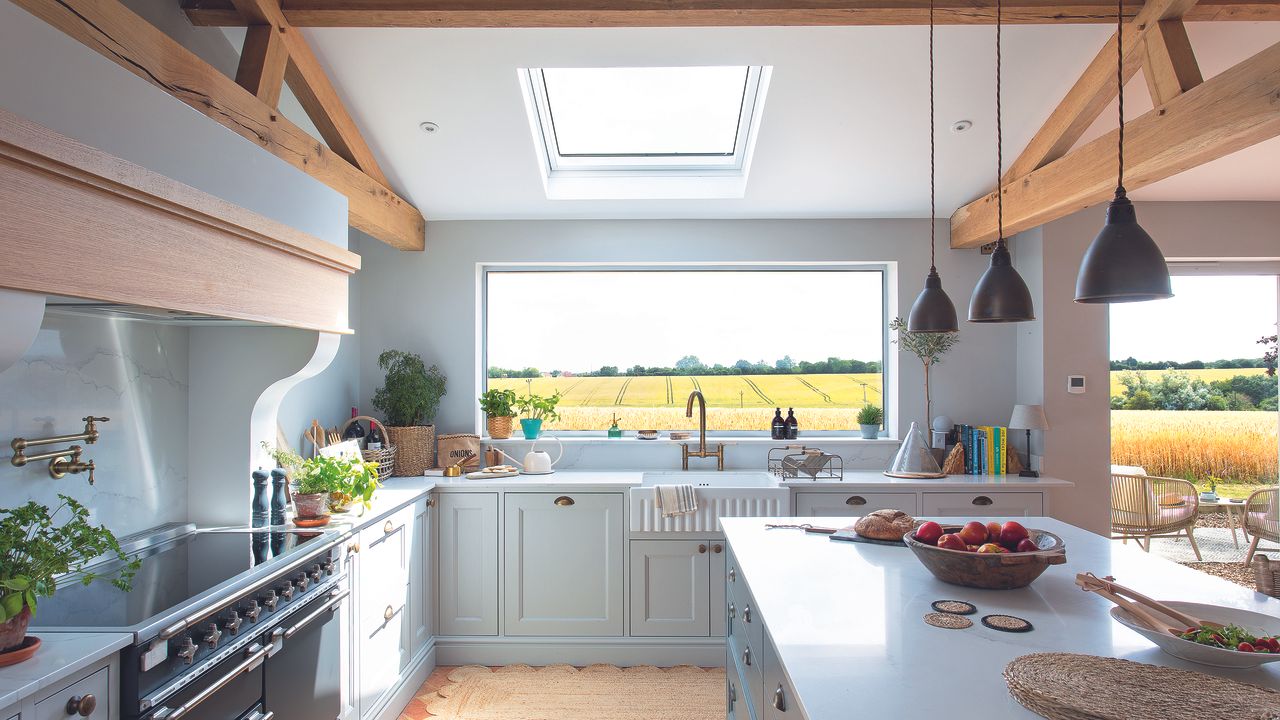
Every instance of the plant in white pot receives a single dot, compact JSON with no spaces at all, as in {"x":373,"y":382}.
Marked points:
{"x":409,"y":399}
{"x":870,"y":418}
{"x":38,"y":547}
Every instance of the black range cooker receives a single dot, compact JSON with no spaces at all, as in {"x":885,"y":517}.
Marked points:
{"x":227,"y":624}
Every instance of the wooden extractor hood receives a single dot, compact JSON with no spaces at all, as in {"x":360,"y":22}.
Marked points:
{"x":77,"y":221}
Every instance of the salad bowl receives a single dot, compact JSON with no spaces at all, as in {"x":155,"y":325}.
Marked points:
{"x":1254,"y":623}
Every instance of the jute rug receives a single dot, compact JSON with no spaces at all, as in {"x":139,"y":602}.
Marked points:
{"x":597,"y":692}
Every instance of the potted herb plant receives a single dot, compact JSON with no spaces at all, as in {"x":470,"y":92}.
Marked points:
{"x":409,"y":398}
{"x":869,"y":419}
{"x":323,"y":484}
{"x":537,"y":409}
{"x":36,"y":546}
{"x":499,"y":406}
{"x":929,"y":347}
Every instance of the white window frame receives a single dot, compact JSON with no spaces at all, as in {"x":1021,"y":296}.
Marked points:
{"x":888,"y":305}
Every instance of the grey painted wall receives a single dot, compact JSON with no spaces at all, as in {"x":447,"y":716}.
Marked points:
{"x":426,"y":302}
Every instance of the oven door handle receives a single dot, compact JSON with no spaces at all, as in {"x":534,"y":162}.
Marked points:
{"x":335,"y":598}
{"x":253,"y":658}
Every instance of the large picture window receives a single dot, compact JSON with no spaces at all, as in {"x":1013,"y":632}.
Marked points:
{"x":634,"y":343}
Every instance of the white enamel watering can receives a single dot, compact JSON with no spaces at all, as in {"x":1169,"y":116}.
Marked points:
{"x":537,"y":462}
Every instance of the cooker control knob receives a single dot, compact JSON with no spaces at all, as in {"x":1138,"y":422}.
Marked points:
{"x":187,"y":650}
{"x":233,"y":623}
{"x":286,"y":592}
{"x":213,"y":636}
{"x":315,"y":573}
{"x":301,"y":583}
{"x":270,"y":600}
{"x":328,"y":567}
{"x":252,"y":611}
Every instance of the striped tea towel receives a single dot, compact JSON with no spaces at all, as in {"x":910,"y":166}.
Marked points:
{"x":675,"y":500}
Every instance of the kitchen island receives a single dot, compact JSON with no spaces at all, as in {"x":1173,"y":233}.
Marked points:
{"x":833,"y":630}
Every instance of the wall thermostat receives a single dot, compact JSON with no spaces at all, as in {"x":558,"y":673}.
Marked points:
{"x":1075,"y":384}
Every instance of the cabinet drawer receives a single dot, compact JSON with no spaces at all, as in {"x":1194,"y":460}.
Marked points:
{"x":737,"y":692}
{"x":93,"y":690}
{"x":779,"y":697}
{"x":852,"y":503}
{"x":384,"y":546}
{"x":746,"y":658}
{"x":970,"y":504}
{"x":747,"y":625}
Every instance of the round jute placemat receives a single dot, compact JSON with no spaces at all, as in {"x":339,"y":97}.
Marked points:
{"x":1064,"y":686}
{"x":948,"y":621}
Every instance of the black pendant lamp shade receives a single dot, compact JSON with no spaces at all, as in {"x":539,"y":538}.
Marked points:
{"x":1123,"y":264}
{"x":1001,"y":295}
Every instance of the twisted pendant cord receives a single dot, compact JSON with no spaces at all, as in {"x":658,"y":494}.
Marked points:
{"x":999,"y":134}
{"x":932,"y":165}
{"x":1120,"y":83}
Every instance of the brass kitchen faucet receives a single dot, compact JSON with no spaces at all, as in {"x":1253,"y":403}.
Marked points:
{"x":702,"y":451}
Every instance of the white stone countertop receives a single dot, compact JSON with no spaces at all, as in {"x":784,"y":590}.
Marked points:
{"x":60,"y":656}
{"x":397,"y":491}
{"x":865,"y":478}
{"x":846,"y":620}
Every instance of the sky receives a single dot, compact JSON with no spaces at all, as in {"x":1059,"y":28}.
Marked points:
{"x":1208,"y":318}
{"x":579,"y":321}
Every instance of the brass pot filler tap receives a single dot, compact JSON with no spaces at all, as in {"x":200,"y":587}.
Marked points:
{"x":64,"y":461}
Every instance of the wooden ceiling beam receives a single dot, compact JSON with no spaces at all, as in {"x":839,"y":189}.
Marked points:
{"x":1169,"y":64}
{"x":263,"y":60}
{"x":311,"y":85}
{"x":701,"y":13}
{"x":114,"y":31}
{"x":1094,"y":91}
{"x":1228,"y":112}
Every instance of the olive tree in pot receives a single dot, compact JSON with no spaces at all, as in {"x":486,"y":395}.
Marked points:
{"x":409,"y":399}
{"x":929,"y":347}
{"x":869,"y":419}
{"x":38,"y":547}
{"x":500,"y":407}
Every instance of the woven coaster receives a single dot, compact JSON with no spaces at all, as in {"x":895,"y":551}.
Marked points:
{"x":954,"y":607}
{"x":948,"y":621}
{"x":1008,"y":623}
{"x":1063,"y":686}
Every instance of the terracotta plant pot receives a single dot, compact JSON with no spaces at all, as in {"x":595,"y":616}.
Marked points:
{"x":500,"y":427}
{"x":313,"y":505}
{"x":14,"y":630}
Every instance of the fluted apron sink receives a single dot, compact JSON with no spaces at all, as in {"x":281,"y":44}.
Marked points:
{"x":720,"y":494}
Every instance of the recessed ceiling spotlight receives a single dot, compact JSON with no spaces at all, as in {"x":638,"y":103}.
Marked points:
{"x":429,"y":127}
{"x":960,"y":126}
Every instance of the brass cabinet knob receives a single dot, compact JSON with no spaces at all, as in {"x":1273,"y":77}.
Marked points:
{"x":431,"y":502}
{"x":353,"y":548}
{"x":388,"y":528}
{"x":982,"y":500}
{"x":856,"y":500}
{"x":564,"y":501}
{"x":717,"y":548}
{"x":702,"y":549}
{"x":388,"y":613}
{"x":82,"y":705}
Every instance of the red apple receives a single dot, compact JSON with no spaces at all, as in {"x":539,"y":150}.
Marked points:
{"x":951,"y":541}
{"x":973,"y":533}
{"x":1011,"y":533}
{"x":971,"y":548}
{"x":1027,"y":545}
{"x":993,"y":532}
{"x":929,"y":532}
{"x":991,"y":548}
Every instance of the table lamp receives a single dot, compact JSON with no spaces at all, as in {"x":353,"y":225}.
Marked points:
{"x":1028,"y":417}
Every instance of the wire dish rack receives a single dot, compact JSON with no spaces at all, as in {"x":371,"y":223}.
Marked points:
{"x":797,"y":462}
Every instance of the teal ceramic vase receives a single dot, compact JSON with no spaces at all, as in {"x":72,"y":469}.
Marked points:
{"x":532,"y":428}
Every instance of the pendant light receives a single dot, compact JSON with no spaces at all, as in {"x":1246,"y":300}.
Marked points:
{"x":1123,"y":264}
{"x":933,"y":311}
{"x":1001,"y":296}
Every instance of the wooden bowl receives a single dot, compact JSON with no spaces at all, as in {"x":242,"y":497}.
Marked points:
{"x":990,"y":571}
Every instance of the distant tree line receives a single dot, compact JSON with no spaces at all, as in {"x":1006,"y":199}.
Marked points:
{"x":1176,"y":390}
{"x":691,"y":365}
{"x":1237,"y":364}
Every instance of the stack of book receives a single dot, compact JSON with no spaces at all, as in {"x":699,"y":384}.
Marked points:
{"x":985,"y":448}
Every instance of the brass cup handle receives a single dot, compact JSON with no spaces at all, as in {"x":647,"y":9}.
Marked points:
{"x":779,"y":700}
{"x":856,"y":500}
{"x":564,"y":501}
{"x":733,"y":611}
{"x":389,"y":613}
{"x":746,"y":613}
{"x":702,"y":549}
{"x":82,"y":705}
{"x":388,"y":528}
{"x":982,"y":500}
{"x":717,"y":548}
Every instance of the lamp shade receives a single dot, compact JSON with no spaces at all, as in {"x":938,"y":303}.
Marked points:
{"x":933,"y":310}
{"x":1123,"y":264}
{"x":1001,"y":294}
{"x":1028,"y":417}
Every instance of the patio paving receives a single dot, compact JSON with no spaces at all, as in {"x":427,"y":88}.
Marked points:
{"x":1215,"y":546}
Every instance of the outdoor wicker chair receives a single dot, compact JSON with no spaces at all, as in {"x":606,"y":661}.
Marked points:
{"x":1262,"y":519}
{"x":1145,"y":506}
{"x":1267,"y":575}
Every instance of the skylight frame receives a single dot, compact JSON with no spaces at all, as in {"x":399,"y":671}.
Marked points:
{"x":561,"y":165}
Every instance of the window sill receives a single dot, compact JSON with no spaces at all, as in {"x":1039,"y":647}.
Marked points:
{"x":813,"y":440}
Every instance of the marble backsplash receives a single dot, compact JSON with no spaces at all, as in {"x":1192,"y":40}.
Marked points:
{"x":133,"y":372}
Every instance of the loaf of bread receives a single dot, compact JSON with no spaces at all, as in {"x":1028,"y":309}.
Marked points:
{"x":885,"y":525}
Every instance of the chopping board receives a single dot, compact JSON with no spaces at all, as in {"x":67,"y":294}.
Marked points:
{"x":848,"y":535}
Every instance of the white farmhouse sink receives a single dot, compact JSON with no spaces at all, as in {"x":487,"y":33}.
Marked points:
{"x":720,"y":494}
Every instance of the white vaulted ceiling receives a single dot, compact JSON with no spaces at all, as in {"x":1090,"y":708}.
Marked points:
{"x":843,"y":133}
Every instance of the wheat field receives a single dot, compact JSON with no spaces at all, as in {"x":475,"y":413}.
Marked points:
{"x":1237,"y":446}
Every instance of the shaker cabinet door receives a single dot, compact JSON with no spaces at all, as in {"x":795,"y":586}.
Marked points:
{"x":564,"y":564}
{"x":420,"y":579}
{"x":671,"y":588}
{"x":467,"y":563}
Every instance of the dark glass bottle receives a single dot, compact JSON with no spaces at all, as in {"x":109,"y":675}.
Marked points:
{"x":375,"y":437}
{"x":778,"y":431}
{"x":354,"y":431}
{"x":792,"y":427}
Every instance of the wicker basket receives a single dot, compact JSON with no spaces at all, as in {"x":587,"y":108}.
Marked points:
{"x":1267,"y":574}
{"x":386,"y":457}
{"x":415,"y":448}
{"x":500,"y":427}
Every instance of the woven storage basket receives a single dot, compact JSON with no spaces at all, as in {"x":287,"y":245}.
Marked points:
{"x":500,"y":427}
{"x":386,"y":457}
{"x":415,"y":448}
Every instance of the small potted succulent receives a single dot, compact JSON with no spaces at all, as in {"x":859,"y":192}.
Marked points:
{"x":36,"y":546}
{"x":324,"y":484}
{"x":409,"y":399}
{"x":870,"y":418}
{"x":535,"y":409}
{"x":500,"y":407}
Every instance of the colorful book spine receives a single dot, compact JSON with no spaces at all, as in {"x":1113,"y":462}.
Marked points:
{"x":1002,"y":449}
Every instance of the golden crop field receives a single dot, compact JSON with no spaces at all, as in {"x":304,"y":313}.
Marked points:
{"x":1207,"y":375}
{"x":734,"y":402}
{"x":1237,"y":446}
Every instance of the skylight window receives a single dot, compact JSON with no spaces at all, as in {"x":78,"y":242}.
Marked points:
{"x":655,"y":123}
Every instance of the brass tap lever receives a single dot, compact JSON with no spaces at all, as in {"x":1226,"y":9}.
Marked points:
{"x":59,"y":467}
{"x":61,"y":462}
